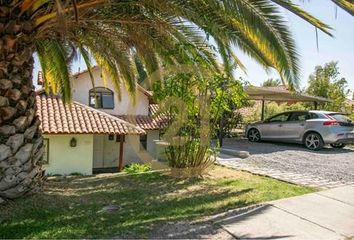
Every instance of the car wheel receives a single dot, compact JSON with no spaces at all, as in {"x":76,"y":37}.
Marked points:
{"x":254,"y":135}
{"x":337,"y":145}
{"x":313,"y":141}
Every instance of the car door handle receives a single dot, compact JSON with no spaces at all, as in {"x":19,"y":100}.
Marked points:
{"x":302,"y":124}
{"x":280,"y":125}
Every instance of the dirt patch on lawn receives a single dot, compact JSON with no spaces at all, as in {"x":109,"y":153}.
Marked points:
{"x":218,"y":172}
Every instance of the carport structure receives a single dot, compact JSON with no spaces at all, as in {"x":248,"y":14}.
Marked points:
{"x":281,"y":94}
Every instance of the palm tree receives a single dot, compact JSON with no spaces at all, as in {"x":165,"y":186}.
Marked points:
{"x":271,"y":82}
{"x":112,"y":32}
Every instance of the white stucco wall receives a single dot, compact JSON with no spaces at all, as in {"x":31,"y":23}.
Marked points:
{"x":64,"y":159}
{"x":82,"y":84}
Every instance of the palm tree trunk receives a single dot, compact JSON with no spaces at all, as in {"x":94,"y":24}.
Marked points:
{"x":20,"y":139}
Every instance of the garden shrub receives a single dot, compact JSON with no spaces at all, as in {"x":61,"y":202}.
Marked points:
{"x":137,"y":168}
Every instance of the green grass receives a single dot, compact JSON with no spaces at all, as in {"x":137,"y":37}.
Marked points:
{"x":71,"y":207}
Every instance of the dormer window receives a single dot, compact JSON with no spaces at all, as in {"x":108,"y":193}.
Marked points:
{"x":101,"y":97}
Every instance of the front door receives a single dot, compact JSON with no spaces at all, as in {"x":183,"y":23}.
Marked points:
{"x":295,"y":126}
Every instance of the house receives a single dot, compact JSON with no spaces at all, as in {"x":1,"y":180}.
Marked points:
{"x":96,"y":132}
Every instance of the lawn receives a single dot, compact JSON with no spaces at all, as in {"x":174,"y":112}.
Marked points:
{"x":71,"y":207}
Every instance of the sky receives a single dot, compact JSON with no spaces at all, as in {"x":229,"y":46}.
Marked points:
{"x":338,"y":48}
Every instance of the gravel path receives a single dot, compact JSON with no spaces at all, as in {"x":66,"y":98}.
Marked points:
{"x":328,"y":164}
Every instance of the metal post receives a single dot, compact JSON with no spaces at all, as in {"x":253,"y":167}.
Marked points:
{"x":121,"y":144}
{"x":262,"y":116}
{"x":315,"y":105}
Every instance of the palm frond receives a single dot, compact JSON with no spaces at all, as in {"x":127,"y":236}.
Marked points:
{"x":53,"y":59}
{"x":108,"y":67}
{"x":87,"y":59}
{"x":346,"y":5}
{"x":174,"y":33}
{"x":297,"y":10}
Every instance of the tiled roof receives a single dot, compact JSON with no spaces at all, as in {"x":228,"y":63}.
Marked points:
{"x":76,"y":118}
{"x":154,"y":109}
{"x":144,"y":122}
{"x":153,"y":121}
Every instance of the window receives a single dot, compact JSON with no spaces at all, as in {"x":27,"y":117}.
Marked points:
{"x":101,"y":97}
{"x":45,"y":159}
{"x":143,"y":142}
{"x":283,"y":117}
{"x":313,"y":116}
{"x":299,"y":116}
{"x":340,"y":117}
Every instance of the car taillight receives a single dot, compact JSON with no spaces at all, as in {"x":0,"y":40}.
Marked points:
{"x":331,"y":123}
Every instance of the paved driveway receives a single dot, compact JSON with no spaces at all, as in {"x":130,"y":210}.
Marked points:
{"x":326,"y":168}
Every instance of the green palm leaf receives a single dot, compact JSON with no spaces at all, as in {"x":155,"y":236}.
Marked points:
{"x":173,"y":32}
{"x":53,"y":58}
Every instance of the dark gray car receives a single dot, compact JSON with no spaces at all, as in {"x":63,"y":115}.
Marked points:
{"x":314,"y":129}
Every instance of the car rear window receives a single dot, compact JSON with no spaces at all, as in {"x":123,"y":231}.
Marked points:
{"x":340,"y":117}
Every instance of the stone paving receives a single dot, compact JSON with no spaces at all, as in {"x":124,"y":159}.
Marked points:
{"x":296,"y":178}
{"x":324,"y":169}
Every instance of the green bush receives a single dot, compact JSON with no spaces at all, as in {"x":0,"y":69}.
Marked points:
{"x":137,"y":168}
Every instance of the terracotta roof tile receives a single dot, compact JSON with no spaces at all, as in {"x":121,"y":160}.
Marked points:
{"x":153,"y":121}
{"x":144,"y":122}
{"x":57,"y":117}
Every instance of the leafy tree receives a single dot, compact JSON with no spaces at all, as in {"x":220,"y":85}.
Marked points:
{"x":209,"y":105}
{"x":224,"y":95}
{"x":271,"y":82}
{"x":326,"y":82}
{"x":160,"y":32}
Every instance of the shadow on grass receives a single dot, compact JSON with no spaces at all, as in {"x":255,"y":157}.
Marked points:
{"x":218,"y":227}
{"x":72,"y":207}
